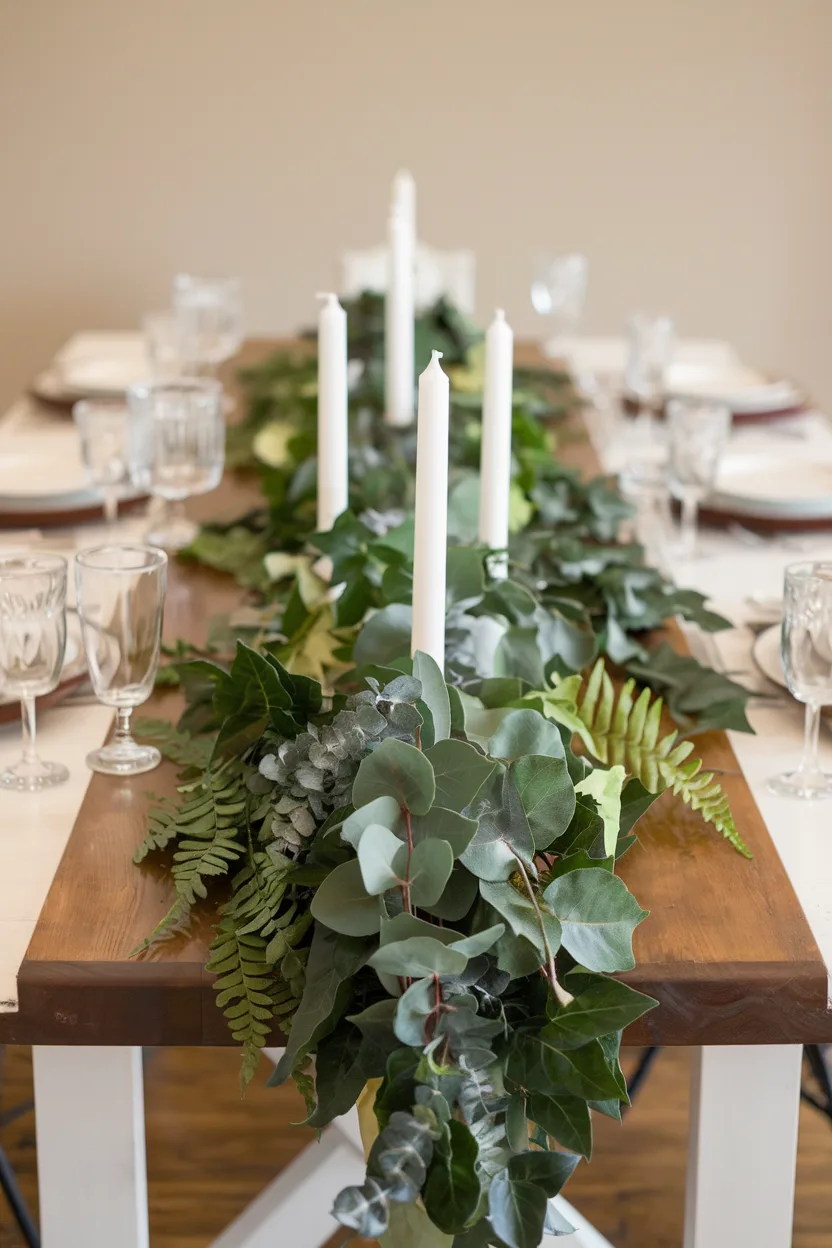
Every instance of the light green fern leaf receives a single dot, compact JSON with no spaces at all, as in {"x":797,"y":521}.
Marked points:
{"x":627,"y":730}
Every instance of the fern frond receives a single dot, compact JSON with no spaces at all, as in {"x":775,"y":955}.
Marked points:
{"x":250,"y":992}
{"x":180,"y":747}
{"x":627,"y":730}
{"x":208,"y":826}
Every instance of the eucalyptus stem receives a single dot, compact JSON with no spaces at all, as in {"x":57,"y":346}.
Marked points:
{"x":564,"y":997}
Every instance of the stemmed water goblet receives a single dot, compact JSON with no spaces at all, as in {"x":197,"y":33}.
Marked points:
{"x":102,"y":428}
{"x":558,"y":293}
{"x":32,"y":646}
{"x":176,"y":439}
{"x":121,"y":596}
{"x":806,"y":652}
{"x":697,"y":435}
{"x":209,"y":312}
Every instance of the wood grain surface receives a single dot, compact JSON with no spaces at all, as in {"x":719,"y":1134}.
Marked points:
{"x":726,"y":950}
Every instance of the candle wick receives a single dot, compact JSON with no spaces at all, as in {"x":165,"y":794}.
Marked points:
{"x":328,"y":295}
{"x":436,"y":355}
{"x":499,"y":314}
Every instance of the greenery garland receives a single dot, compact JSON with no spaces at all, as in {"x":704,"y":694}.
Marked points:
{"x":423,"y":863}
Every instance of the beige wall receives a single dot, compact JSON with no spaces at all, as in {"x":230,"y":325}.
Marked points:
{"x":683,"y":144}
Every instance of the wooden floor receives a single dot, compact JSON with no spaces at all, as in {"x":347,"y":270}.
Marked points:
{"x":210,"y":1153}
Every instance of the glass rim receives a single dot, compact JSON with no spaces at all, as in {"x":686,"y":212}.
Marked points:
{"x":158,"y":558}
{"x":205,"y":279}
{"x":32,"y":565}
{"x":207,"y":387}
{"x":806,"y":570}
{"x":83,"y":406}
{"x":691,"y":402}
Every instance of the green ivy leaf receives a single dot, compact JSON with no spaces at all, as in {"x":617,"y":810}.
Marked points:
{"x":333,"y":960}
{"x":605,"y":1005}
{"x":548,"y":1170}
{"x":452,"y":1190}
{"x":517,"y":1211}
{"x":397,"y":770}
{"x":565,"y":1118}
{"x":520,"y":914}
{"x":598,"y":915}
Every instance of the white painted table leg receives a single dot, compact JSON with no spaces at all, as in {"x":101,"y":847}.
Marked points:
{"x":92,"y":1177}
{"x":743,"y":1146}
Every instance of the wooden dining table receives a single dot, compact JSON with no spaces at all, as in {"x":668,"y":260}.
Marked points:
{"x":727,"y":952}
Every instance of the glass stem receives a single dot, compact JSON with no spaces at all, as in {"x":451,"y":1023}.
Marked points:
{"x":809,"y":765}
{"x":110,"y":507}
{"x":30,"y":753}
{"x":123,"y":734}
{"x":690,"y":515}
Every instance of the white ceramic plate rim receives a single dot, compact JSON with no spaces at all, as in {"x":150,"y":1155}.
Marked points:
{"x":766,"y":654}
{"x":818,"y":507}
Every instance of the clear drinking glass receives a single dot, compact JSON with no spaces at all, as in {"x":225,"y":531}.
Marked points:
{"x":164,"y":344}
{"x":559,"y":293}
{"x":806,"y":651}
{"x":176,"y":437}
{"x":121,"y":598}
{"x":697,"y":434}
{"x":651,"y":341}
{"x":210,"y":315}
{"x":32,"y":645}
{"x":102,"y":428}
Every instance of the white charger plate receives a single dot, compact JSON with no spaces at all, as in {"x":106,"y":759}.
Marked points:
{"x":773,"y":486}
{"x":766,"y":654}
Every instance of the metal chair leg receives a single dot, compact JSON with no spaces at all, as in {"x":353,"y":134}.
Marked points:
{"x":817,"y":1064}
{"x":641,"y":1072}
{"x":17,"y":1204}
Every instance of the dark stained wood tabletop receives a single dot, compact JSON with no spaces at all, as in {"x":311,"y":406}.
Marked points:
{"x":726,"y":950}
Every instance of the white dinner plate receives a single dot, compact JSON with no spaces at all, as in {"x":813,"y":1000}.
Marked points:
{"x":42,"y":473}
{"x":746,"y":391}
{"x":773,"y":486}
{"x":766,"y":654}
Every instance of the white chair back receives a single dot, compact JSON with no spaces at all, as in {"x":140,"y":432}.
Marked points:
{"x":438,"y":272}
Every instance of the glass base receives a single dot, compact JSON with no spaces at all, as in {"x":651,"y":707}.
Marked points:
{"x":809,"y":786}
{"x":173,"y":533}
{"x":30,"y":777}
{"x":126,"y":758}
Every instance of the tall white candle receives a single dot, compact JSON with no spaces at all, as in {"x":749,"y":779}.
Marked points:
{"x":333,"y":473}
{"x":398,"y":324}
{"x":431,"y":525}
{"x":495,"y":456}
{"x":403,"y":200}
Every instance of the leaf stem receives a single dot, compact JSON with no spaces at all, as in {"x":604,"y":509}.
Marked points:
{"x":564,"y":997}
{"x":406,"y":881}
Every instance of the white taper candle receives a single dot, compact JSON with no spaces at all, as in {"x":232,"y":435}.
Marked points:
{"x":333,"y":471}
{"x":403,"y":200}
{"x":431,"y":523}
{"x":495,"y":456}
{"x":398,"y":324}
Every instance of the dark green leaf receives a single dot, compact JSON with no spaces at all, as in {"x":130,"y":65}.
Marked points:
{"x":548,"y":1170}
{"x":565,"y":1118}
{"x":517,"y":1211}
{"x":452,"y":1190}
